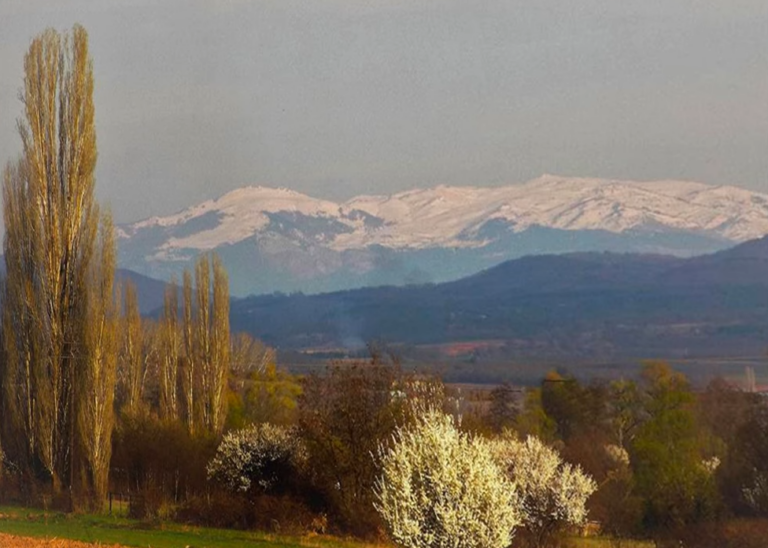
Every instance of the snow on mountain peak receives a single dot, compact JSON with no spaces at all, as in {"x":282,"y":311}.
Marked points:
{"x":446,"y":216}
{"x":239,"y":214}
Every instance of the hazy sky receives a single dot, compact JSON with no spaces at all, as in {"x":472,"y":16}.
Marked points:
{"x":341,"y":97}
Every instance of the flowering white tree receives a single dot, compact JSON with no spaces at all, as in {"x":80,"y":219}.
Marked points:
{"x":257,"y":457}
{"x":553,"y":493}
{"x":439,"y":488}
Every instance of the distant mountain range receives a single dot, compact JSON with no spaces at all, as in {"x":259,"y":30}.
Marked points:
{"x":150,"y":293}
{"x":281,"y":240}
{"x":583,"y":305}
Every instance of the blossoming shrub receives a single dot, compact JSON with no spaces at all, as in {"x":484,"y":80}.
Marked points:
{"x":261,"y":458}
{"x":441,"y":488}
{"x":553,"y":493}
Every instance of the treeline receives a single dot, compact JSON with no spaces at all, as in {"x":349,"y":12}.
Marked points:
{"x":78,"y":362}
{"x":311,"y":454}
{"x":670,"y":462}
{"x":306,"y":454}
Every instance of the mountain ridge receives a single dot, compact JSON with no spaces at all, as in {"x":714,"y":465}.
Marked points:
{"x":595,"y":305}
{"x":280,"y":239}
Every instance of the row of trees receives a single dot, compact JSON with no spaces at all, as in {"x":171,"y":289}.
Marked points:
{"x":668,"y":459}
{"x":74,"y":347}
{"x":191,"y":351}
{"x":378,"y":448}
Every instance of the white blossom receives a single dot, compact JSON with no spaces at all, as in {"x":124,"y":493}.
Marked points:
{"x":553,"y":493}
{"x":711,"y":465}
{"x":256,"y":456}
{"x":439,"y":488}
{"x":617,"y":454}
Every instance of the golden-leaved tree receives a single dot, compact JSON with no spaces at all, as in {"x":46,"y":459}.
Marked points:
{"x":59,"y":315}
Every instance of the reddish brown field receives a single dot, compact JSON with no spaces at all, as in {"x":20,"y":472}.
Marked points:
{"x":10,"y":541}
{"x":455,"y":349}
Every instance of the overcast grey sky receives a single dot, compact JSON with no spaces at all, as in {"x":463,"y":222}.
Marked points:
{"x":341,"y":97}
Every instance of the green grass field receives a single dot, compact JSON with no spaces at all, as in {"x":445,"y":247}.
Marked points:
{"x":119,"y":530}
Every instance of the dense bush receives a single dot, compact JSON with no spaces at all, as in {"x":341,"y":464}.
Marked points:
{"x":719,"y":534}
{"x":159,"y":463}
{"x":441,"y":488}
{"x":261,"y":458}
{"x":553,"y":494}
{"x":217,"y":509}
{"x":343,"y":416}
{"x":286,"y":514}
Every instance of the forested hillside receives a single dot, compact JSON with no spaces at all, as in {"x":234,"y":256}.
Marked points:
{"x":594,"y":304}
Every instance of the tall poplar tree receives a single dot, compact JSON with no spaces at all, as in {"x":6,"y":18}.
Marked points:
{"x":188,"y":369}
{"x":206,"y":343}
{"x":220,"y":357}
{"x":56,"y":272}
{"x":95,"y":377}
{"x":131,"y":364}
{"x":170,"y":350}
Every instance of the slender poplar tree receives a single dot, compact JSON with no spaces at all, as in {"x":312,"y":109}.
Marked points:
{"x":170,"y":349}
{"x":206,"y":343}
{"x":54,"y":281}
{"x":132,"y":364}
{"x":188,"y":368}
{"x":95,"y":378}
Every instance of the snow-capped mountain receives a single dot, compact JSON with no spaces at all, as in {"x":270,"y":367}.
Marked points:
{"x":279,"y":239}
